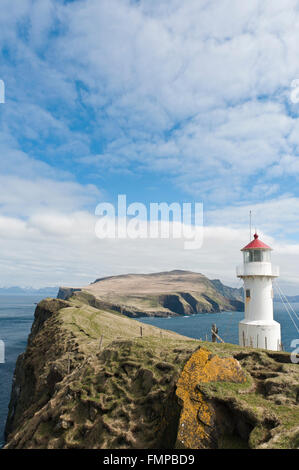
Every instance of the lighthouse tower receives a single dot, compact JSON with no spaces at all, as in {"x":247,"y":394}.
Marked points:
{"x":258,"y":329}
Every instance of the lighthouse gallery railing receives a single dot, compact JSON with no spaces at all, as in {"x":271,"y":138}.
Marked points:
{"x":257,"y":269}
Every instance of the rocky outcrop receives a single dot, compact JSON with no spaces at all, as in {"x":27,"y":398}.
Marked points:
{"x":198,"y":426}
{"x":88,"y":379}
{"x":248,"y":400}
{"x":65,"y":293}
{"x":231,"y":293}
{"x":43,"y":358}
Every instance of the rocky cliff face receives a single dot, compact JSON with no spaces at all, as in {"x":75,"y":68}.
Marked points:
{"x":161,"y":294}
{"x":231,"y":293}
{"x":89,"y":380}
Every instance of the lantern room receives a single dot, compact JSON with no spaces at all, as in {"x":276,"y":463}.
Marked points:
{"x":257,"y":251}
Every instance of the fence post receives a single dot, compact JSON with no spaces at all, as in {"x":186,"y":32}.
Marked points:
{"x":101,"y":341}
{"x":141,"y":331}
{"x":243,"y":334}
{"x":214,"y":331}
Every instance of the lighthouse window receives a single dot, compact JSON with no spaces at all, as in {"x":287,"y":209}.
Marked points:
{"x":247,"y":293}
{"x":266,"y":256}
{"x":256,"y":255}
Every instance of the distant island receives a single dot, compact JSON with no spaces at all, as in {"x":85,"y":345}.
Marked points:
{"x":230,"y":293}
{"x":16,"y":290}
{"x":163,"y":294}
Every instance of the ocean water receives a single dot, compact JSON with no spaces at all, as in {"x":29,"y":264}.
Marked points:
{"x":16,"y":316}
{"x":17,"y":312}
{"x":199,"y":326}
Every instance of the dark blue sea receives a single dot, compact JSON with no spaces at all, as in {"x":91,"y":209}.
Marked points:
{"x":16,"y":316}
{"x":199,"y":326}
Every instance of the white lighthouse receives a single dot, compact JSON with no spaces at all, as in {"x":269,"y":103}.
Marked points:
{"x":258,"y":329}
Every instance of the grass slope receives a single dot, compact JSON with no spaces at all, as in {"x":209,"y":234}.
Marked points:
{"x":89,"y":380}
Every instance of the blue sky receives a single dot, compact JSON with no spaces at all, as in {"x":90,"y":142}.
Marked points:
{"x":158,"y":100}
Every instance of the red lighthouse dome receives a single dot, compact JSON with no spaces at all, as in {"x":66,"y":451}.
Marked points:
{"x":256,"y":244}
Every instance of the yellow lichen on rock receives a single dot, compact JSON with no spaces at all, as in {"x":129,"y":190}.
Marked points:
{"x":196,"y":426}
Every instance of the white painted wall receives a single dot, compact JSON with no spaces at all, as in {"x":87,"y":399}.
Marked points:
{"x":259,"y":334}
{"x":260,"y":304}
{"x":258,"y":329}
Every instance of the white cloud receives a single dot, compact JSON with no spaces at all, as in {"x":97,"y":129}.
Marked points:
{"x":176,"y":88}
{"x":62,"y":249}
{"x":196,"y":90}
{"x":277,"y":216}
{"x":29,"y":185}
{"x":21,"y":196}
{"x":188,"y":90}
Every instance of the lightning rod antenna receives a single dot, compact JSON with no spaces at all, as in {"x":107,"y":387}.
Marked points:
{"x":249,"y":225}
